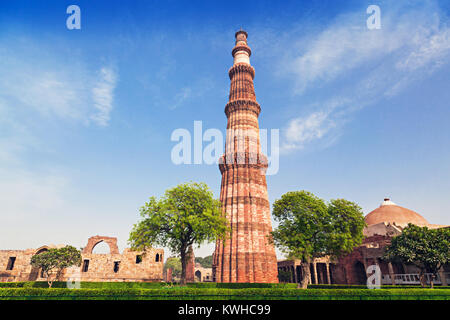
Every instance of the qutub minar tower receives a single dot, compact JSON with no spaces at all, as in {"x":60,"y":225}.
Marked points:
{"x":246,"y":255}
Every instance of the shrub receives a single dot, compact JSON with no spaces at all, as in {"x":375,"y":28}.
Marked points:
{"x":348,"y":286}
{"x":145,"y":285}
{"x":187,"y":293}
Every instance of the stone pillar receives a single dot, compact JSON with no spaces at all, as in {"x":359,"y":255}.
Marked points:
{"x":315,"y":273}
{"x":391,"y":273}
{"x":168,"y":275}
{"x":295,"y":273}
{"x":328,"y":273}
{"x":443,"y":276}
{"x":190,"y":267}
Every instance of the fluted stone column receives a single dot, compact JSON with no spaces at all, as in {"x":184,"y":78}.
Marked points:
{"x":315,"y":273}
{"x":247,"y":255}
{"x":443,"y":277}
{"x":391,"y":273}
{"x":328,"y":273}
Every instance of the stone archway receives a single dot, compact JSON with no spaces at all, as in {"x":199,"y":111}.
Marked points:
{"x":198,"y":276}
{"x":93,"y":241}
{"x":35,"y":272}
{"x":359,"y":273}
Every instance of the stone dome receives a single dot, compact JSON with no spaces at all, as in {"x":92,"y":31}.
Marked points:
{"x":392,"y":213}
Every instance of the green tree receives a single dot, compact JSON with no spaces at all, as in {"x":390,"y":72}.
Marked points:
{"x":186,"y":215}
{"x":308,"y":228}
{"x":205,"y":262}
{"x":173,"y":263}
{"x":427,"y":249}
{"x":54,"y":261}
{"x":284,"y":276}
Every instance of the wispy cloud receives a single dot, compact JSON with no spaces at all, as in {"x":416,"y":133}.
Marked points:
{"x":47,"y":85}
{"x":181,"y":97}
{"x":103,"y":95}
{"x":365,"y":65}
{"x":40,"y":88}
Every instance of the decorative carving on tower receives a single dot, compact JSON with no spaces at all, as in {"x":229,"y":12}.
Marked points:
{"x":246,"y":255}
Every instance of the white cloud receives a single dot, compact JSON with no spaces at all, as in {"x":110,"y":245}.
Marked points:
{"x":39,"y":86}
{"x":304,"y":130}
{"x":103,"y":95}
{"x":365,"y":65}
{"x":38,"y":81}
{"x":433,"y":50}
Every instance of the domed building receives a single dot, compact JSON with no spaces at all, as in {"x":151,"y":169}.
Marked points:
{"x":389,"y":212}
{"x":383,"y":223}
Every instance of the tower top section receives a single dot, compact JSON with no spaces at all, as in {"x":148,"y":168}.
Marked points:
{"x":241,"y":51}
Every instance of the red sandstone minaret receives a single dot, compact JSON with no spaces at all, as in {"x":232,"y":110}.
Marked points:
{"x":246,"y":256}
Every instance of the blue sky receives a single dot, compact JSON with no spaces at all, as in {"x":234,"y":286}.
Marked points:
{"x":86,"y":115}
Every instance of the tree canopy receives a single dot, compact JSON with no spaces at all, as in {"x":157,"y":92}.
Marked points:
{"x":427,"y":249}
{"x":309,"y":228}
{"x":54,"y":261}
{"x":205,"y":262}
{"x":186,"y":215}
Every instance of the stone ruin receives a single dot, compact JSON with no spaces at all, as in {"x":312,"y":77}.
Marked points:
{"x":128,"y":266}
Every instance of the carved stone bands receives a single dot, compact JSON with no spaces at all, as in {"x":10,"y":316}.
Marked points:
{"x":241,"y":67}
{"x":241,"y":48}
{"x":236,"y":200}
{"x":243,"y":105}
{"x":242,"y":122}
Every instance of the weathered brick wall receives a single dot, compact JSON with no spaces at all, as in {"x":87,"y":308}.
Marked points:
{"x":21,"y":265}
{"x":101,"y":266}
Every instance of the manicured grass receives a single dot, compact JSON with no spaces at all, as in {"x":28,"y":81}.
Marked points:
{"x":177,"y":293}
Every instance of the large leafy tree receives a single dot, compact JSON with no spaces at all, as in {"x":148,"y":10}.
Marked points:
{"x":309,"y":228}
{"x":186,"y":215}
{"x":54,"y":261}
{"x":427,"y":249}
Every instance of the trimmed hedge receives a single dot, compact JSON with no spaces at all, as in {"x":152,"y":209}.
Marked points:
{"x":145,"y":285}
{"x":199,"y":285}
{"x":347,"y":286}
{"x":178,"y":293}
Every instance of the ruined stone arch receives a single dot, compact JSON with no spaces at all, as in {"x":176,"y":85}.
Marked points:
{"x":93,"y":241}
{"x":41,"y":249}
{"x":35,"y":272}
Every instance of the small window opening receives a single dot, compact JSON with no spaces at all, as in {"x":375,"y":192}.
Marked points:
{"x":138,"y":259}
{"x":157,"y":257}
{"x":116,"y":266}
{"x":85,"y":265}
{"x":11,"y":262}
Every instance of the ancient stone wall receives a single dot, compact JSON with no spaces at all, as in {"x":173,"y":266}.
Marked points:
{"x":128,"y":266}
